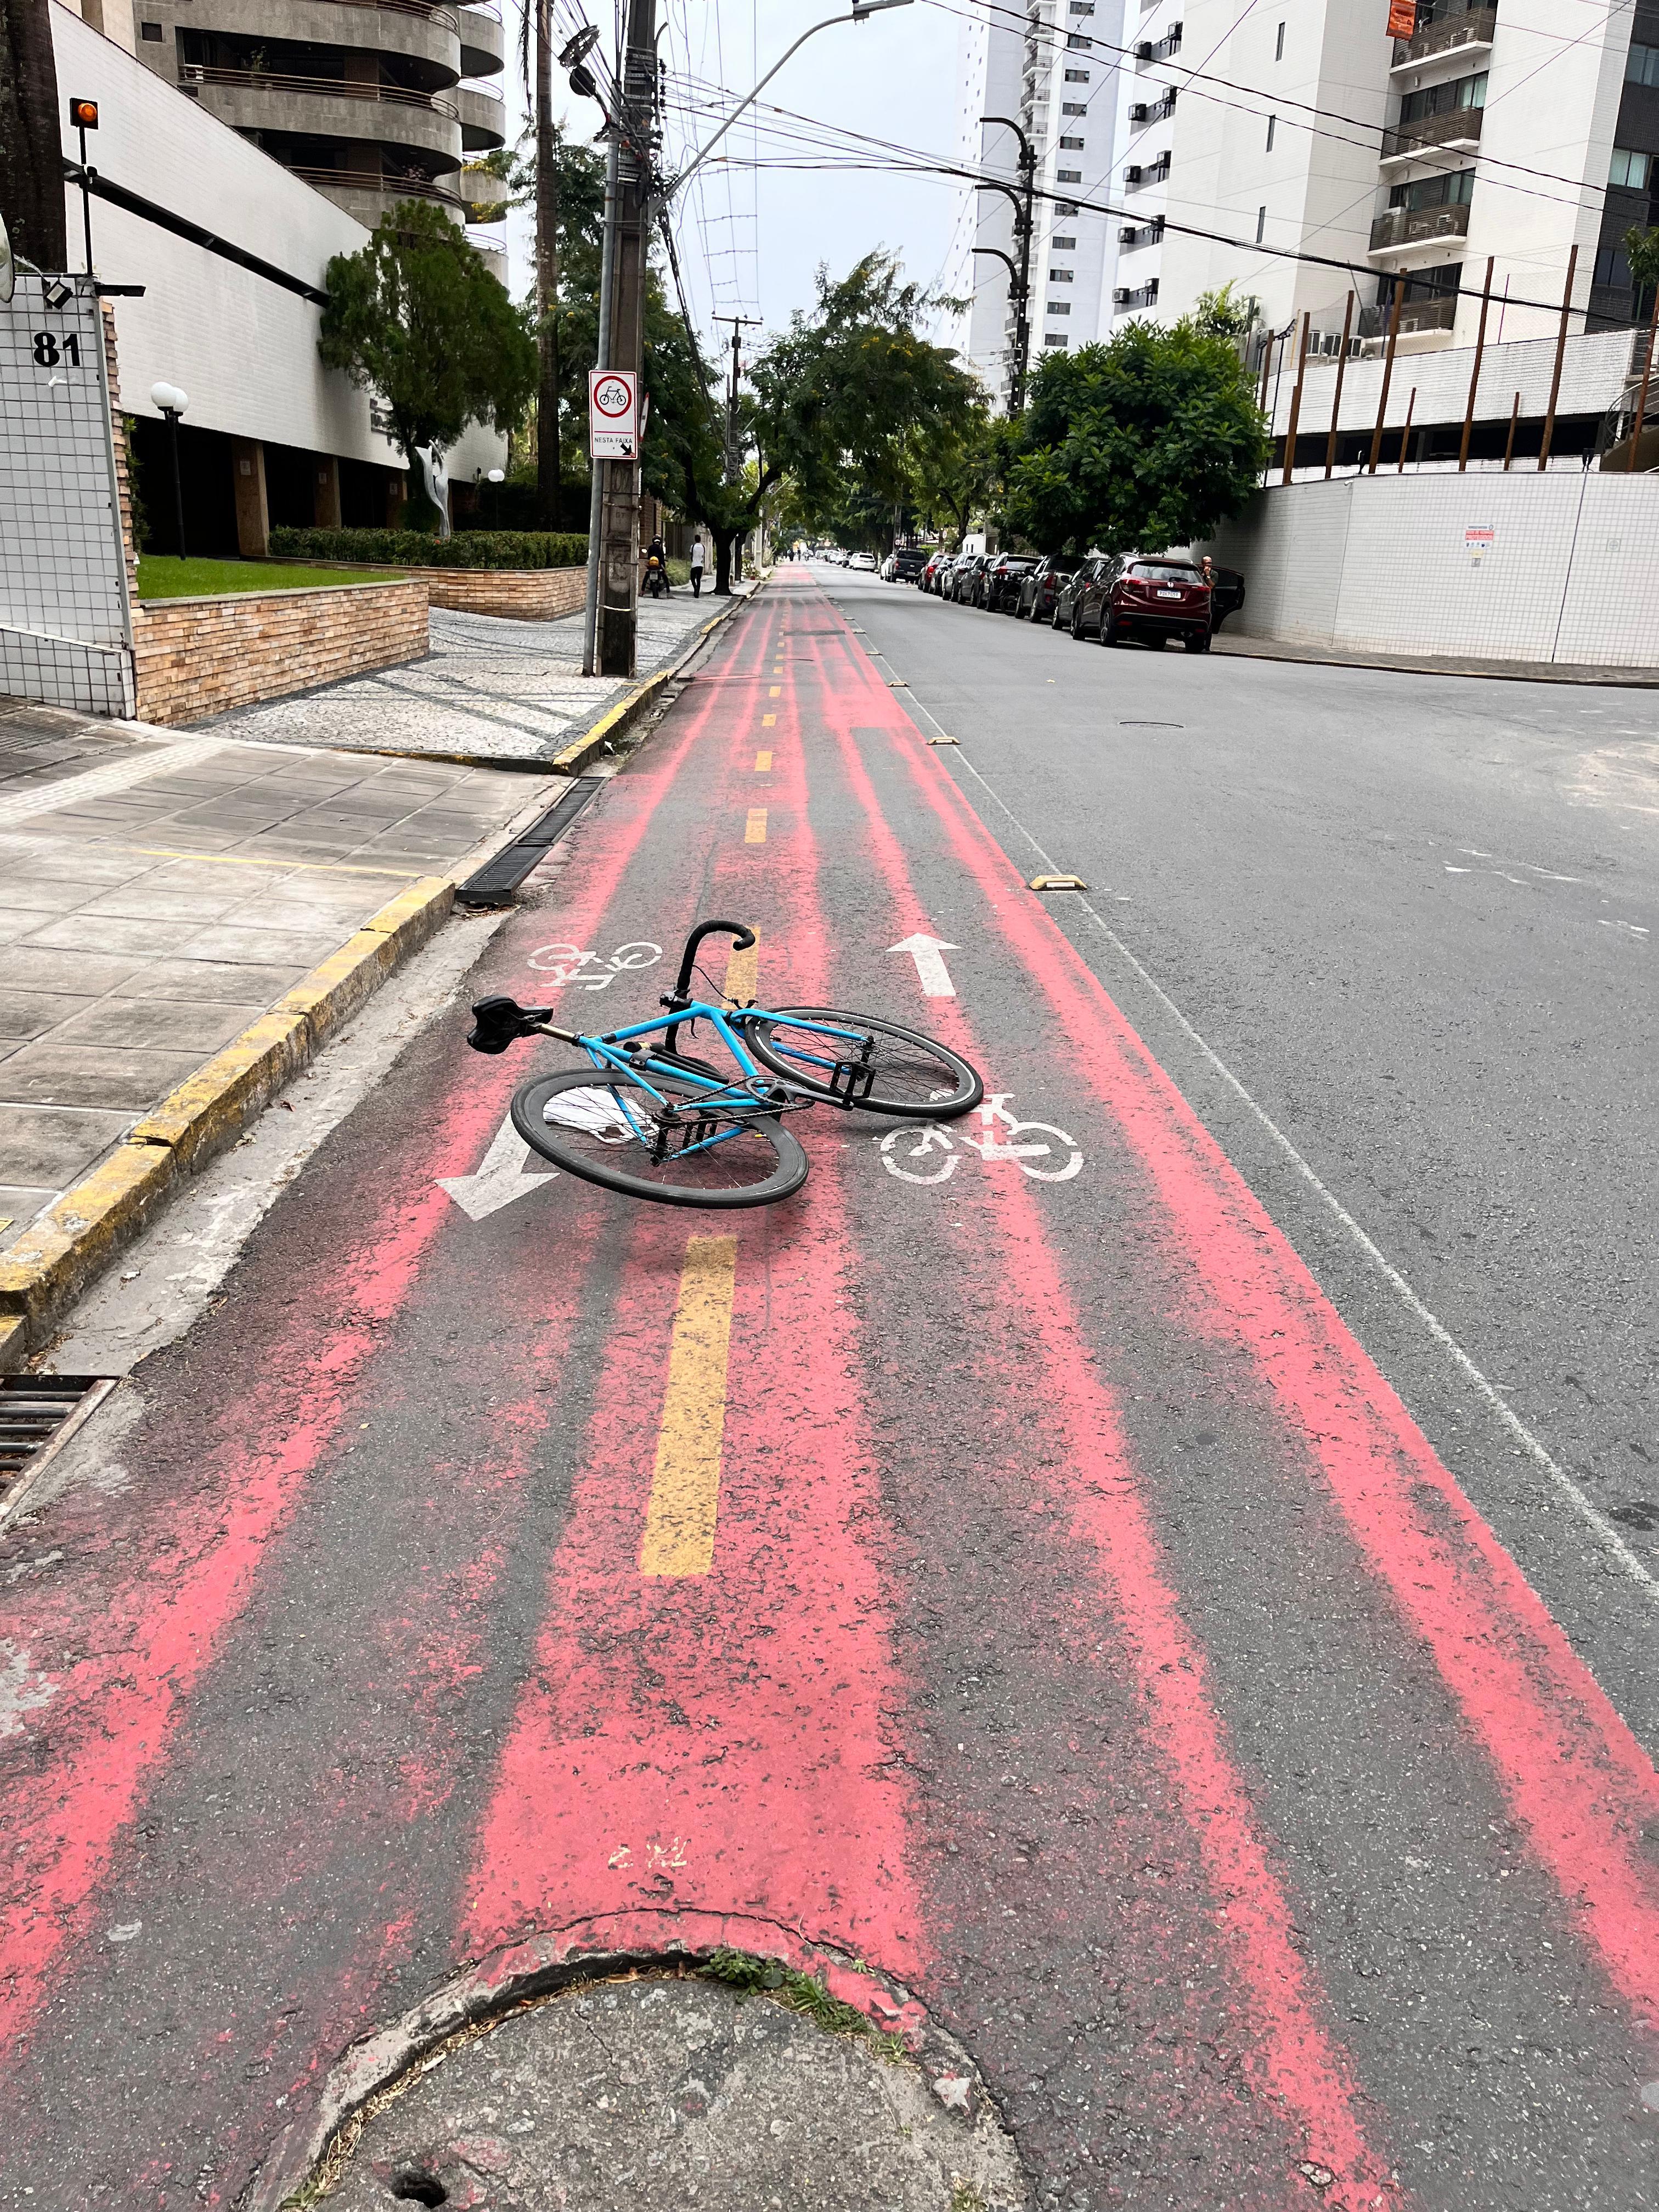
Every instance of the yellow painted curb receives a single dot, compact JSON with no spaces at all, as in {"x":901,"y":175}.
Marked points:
{"x":54,"y":1261}
{"x":73,"y":1239}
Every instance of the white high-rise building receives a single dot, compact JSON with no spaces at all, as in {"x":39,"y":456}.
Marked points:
{"x":1050,"y":69}
{"x":1498,"y":129}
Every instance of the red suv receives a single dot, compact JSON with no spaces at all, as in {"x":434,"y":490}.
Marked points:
{"x":1152,"y":600}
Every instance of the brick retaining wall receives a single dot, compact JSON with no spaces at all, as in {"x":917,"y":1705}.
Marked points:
{"x":517,"y":594}
{"x":521,"y":594}
{"x":196,"y":657}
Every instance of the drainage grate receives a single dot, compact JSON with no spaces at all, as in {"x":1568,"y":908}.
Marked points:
{"x":35,"y":1410}
{"x":495,"y":883}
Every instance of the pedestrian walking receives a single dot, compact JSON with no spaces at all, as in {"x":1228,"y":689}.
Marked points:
{"x":697,"y":558}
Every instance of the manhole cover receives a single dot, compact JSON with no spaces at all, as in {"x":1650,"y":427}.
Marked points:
{"x":649,"y":2095}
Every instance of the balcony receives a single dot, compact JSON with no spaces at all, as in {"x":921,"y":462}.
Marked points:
{"x":1416,"y":317}
{"x":1403,"y":227}
{"x":1150,"y":52}
{"x":482,"y":46}
{"x":483,"y":120}
{"x":194,"y":74}
{"x":1458,"y":130}
{"x":1472,"y":28}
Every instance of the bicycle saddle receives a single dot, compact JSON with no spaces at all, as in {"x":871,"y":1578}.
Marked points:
{"x":498,"y":1023}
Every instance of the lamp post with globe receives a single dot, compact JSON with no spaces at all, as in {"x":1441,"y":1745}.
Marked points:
{"x":172,"y":402}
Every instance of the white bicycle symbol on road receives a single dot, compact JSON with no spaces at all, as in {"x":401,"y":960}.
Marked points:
{"x":568,"y":963}
{"x":934,"y":1148}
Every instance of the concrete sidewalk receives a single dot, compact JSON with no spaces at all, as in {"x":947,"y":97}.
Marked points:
{"x":1242,"y":647}
{"x":160,"y":893}
{"x":512,"y":693}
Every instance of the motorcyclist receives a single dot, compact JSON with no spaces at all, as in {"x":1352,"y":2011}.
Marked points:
{"x":656,"y":567}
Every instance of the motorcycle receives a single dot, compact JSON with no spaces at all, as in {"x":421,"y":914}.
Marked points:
{"x":656,"y":577}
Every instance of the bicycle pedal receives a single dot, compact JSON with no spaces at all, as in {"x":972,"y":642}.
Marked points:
{"x":850,"y":1081}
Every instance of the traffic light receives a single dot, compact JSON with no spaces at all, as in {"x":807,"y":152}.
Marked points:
{"x":83,"y":114}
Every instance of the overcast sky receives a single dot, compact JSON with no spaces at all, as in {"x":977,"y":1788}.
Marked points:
{"x":751,"y":237}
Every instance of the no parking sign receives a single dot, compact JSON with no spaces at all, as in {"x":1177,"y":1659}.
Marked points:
{"x":613,"y":411}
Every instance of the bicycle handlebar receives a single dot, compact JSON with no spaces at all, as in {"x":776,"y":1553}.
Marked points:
{"x":742,"y":939}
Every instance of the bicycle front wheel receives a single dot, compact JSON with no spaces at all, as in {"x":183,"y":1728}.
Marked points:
{"x":713,"y":1156}
{"x":917,"y":1077}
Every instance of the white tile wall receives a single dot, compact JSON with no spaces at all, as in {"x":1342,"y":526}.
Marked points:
{"x":64,"y":622}
{"x":1382,"y":564}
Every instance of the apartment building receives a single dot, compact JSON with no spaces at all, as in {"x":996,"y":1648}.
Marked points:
{"x":1051,"y":69}
{"x":369,"y":101}
{"x":1508,"y":130}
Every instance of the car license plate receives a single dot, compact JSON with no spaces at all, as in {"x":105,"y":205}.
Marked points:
{"x":1163,"y":594}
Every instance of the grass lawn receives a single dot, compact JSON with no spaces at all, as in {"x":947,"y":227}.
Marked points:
{"x":164,"y":576}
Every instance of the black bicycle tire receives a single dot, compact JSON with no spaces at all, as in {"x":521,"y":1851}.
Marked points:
{"x":530,"y":1098}
{"x":968,"y":1095}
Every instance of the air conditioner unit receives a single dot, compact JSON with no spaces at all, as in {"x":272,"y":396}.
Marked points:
{"x":1139,"y":112}
{"x":1131,"y":175}
{"x":1121,"y":297}
{"x":1127,"y":235}
{"x":1144,"y":50}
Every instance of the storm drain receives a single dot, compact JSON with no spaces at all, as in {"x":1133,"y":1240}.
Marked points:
{"x":36,"y":1412}
{"x":493,"y":883}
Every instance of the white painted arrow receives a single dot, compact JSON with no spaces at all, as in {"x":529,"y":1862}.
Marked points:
{"x":500,"y":1179}
{"x":931,"y":970}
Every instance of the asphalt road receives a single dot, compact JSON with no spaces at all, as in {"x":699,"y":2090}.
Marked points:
{"x":1417,"y":918}
{"x":1002,"y":1577}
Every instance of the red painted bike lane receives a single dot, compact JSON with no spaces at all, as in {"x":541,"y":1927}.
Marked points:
{"x":947,"y":1697}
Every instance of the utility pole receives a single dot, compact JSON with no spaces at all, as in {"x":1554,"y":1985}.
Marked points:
{"x":739,"y":325}
{"x":31,"y":144}
{"x":548,"y":469}
{"x":627,"y":232}
{"x":733,"y":455}
{"x":1019,"y":285}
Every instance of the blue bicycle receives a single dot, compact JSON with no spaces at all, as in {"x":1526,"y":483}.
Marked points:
{"x":651,"y":1121}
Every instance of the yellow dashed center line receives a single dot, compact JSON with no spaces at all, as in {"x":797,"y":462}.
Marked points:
{"x":776,"y":691}
{"x":769,"y":721}
{"x":762,"y":762}
{"x":685,"y":1485}
{"x":742,"y":984}
{"x":754,"y":828}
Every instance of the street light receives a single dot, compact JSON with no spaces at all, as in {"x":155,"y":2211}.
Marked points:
{"x":1019,"y":289}
{"x":862,"y":9}
{"x":172,"y":402}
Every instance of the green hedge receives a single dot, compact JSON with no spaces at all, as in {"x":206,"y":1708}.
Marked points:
{"x":410,"y":548}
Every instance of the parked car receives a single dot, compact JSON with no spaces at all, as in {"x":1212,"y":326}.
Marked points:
{"x":999,"y":590}
{"x":1226,"y":595}
{"x":1041,"y":587}
{"x":965,"y":579}
{"x":888,"y":569}
{"x":1068,"y":600}
{"x":865,"y":560}
{"x":1152,"y":600}
{"x":909,"y":562}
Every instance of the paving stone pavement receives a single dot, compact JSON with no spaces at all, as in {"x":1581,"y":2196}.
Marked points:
{"x":160,"y":890}
{"x":491,"y":690}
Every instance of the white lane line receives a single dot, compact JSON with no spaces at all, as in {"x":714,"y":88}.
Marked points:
{"x":100,"y":783}
{"x":1605,"y":1535}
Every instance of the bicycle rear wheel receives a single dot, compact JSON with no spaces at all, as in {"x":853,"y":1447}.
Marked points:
{"x":718,"y":1159}
{"x":917,"y":1077}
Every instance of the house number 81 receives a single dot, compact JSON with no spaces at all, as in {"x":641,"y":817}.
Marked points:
{"x":47,"y":354}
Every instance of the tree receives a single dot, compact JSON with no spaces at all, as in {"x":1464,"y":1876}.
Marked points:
{"x":957,"y":472}
{"x":1642,"y":250}
{"x":416,"y":318}
{"x":1146,"y":442}
{"x":30,"y":145}
{"x":839,"y":399}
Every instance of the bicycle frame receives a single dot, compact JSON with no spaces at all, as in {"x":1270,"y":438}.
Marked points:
{"x":738,"y":1096}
